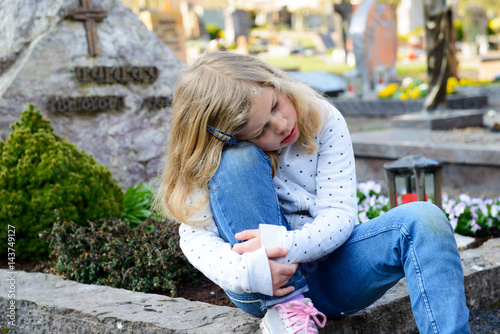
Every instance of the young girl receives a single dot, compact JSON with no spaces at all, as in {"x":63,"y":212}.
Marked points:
{"x":260,"y":172}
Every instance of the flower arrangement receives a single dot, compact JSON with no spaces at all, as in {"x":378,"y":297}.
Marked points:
{"x":371,"y":203}
{"x":472,"y":216}
{"x":415,"y":89}
{"x":468,"y":216}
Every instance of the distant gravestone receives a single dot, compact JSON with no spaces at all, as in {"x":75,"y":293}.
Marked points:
{"x":345,"y":12}
{"x":373,"y":31}
{"x":169,"y":29}
{"x":410,"y":15}
{"x":475,"y":28}
{"x":95,"y":71}
{"x":237,"y":23}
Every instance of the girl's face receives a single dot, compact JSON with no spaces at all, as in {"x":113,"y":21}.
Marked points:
{"x":273,"y":122}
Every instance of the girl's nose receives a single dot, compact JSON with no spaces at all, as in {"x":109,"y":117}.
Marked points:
{"x":279,"y":125}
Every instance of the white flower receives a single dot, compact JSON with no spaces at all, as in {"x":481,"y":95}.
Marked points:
{"x":473,"y":211}
{"x":459,"y":208}
{"x":494,"y":210}
{"x":491,"y":113}
{"x":465,"y":198}
{"x":454,"y":222}
{"x":362,"y":217}
{"x":483,"y":209}
{"x":474,"y":226}
{"x":406,"y":81}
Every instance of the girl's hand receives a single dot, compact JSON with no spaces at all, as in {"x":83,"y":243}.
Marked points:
{"x":252,"y":241}
{"x":280,"y":273}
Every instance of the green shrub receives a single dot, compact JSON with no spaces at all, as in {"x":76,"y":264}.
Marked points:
{"x":146,"y":258}
{"x":41,"y":172}
{"x":213,"y":30}
{"x":459,"y":29}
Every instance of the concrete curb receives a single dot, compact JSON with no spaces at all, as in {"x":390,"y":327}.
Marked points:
{"x":48,"y":304}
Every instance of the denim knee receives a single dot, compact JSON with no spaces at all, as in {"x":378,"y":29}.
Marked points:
{"x":244,"y":155}
{"x":427,"y":219}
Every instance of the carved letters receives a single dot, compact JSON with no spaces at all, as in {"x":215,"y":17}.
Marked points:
{"x":86,"y":103}
{"x":121,"y":75}
{"x":109,"y":75}
{"x":156,"y":102}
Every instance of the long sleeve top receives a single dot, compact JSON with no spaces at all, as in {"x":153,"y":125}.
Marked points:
{"x":317,"y":193}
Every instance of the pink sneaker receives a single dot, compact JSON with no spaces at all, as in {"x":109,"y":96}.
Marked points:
{"x":295,"y":317}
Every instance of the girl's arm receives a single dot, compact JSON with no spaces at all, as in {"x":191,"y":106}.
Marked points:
{"x":211,"y":255}
{"x":334,"y":211}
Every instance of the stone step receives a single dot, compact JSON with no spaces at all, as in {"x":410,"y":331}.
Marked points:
{"x":49,"y":304}
{"x":471,"y":160}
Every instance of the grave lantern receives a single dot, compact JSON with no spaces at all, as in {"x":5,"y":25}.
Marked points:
{"x":414,"y":178}
{"x":381,"y":77}
{"x":354,"y":83}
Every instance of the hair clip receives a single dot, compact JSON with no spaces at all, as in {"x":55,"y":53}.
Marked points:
{"x":232,"y":139}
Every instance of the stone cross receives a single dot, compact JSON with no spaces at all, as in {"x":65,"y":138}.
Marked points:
{"x":117,"y":110}
{"x":89,"y":15}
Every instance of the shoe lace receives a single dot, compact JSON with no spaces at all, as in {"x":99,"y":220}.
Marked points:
{"x":301,"y":316}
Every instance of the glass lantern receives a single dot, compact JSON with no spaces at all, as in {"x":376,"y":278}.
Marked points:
{"x":381,"y":77}
{"x":414,"y":178}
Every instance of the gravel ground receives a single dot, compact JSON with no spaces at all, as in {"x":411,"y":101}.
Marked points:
{"x":485,"y":321}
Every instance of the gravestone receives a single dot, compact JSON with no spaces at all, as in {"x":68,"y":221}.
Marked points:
{"x":169,"y":29}
{"x":237,"y":23}
{"x":344,"y":10}
{"x":410,"y":15}
{"x":475,"y":32}
{"x":374,"y":36}
{"x":105,"y":83}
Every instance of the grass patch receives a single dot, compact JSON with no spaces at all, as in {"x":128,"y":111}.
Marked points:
{"x":307,"y":64}
{"x":416,"y":70}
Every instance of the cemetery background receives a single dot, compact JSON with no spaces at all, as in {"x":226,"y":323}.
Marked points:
{"x":140,"y":98}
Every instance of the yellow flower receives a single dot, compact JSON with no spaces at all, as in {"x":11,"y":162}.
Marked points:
{"x":403,"y":96}
{"x":495,"y":24}
{"x":388,"y":91}
{"x":415,"y":93}
{"x":453,"y":82}
{"x":465,"y":81}
{"x":449,"y":89}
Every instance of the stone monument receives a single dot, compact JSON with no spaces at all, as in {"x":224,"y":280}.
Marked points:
{"x":374,"y":37}
{"x":96,"y":72}
{"x":237,"y":23}
{"x":410,"y":16}
{"x":475,"y":32}
{"x":169,"y":29}
{"x":344,"y":9}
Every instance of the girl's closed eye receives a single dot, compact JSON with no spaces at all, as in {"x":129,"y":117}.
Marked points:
{"x":276,"y":105}
{"x":274,"y":108}
{"x":260,"y":134}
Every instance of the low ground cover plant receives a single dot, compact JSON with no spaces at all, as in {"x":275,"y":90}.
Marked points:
{"x":111,"y":252}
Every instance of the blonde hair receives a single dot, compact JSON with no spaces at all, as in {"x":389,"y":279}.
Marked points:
{"x":218,"y":90}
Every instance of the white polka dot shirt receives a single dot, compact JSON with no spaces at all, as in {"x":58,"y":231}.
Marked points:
{"x":317,"y":193}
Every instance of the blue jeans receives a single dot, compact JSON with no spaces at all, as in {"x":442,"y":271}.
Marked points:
{"x":415,"y":241}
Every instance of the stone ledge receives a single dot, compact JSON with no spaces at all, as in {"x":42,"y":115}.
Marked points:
{"x":49,"y":304}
